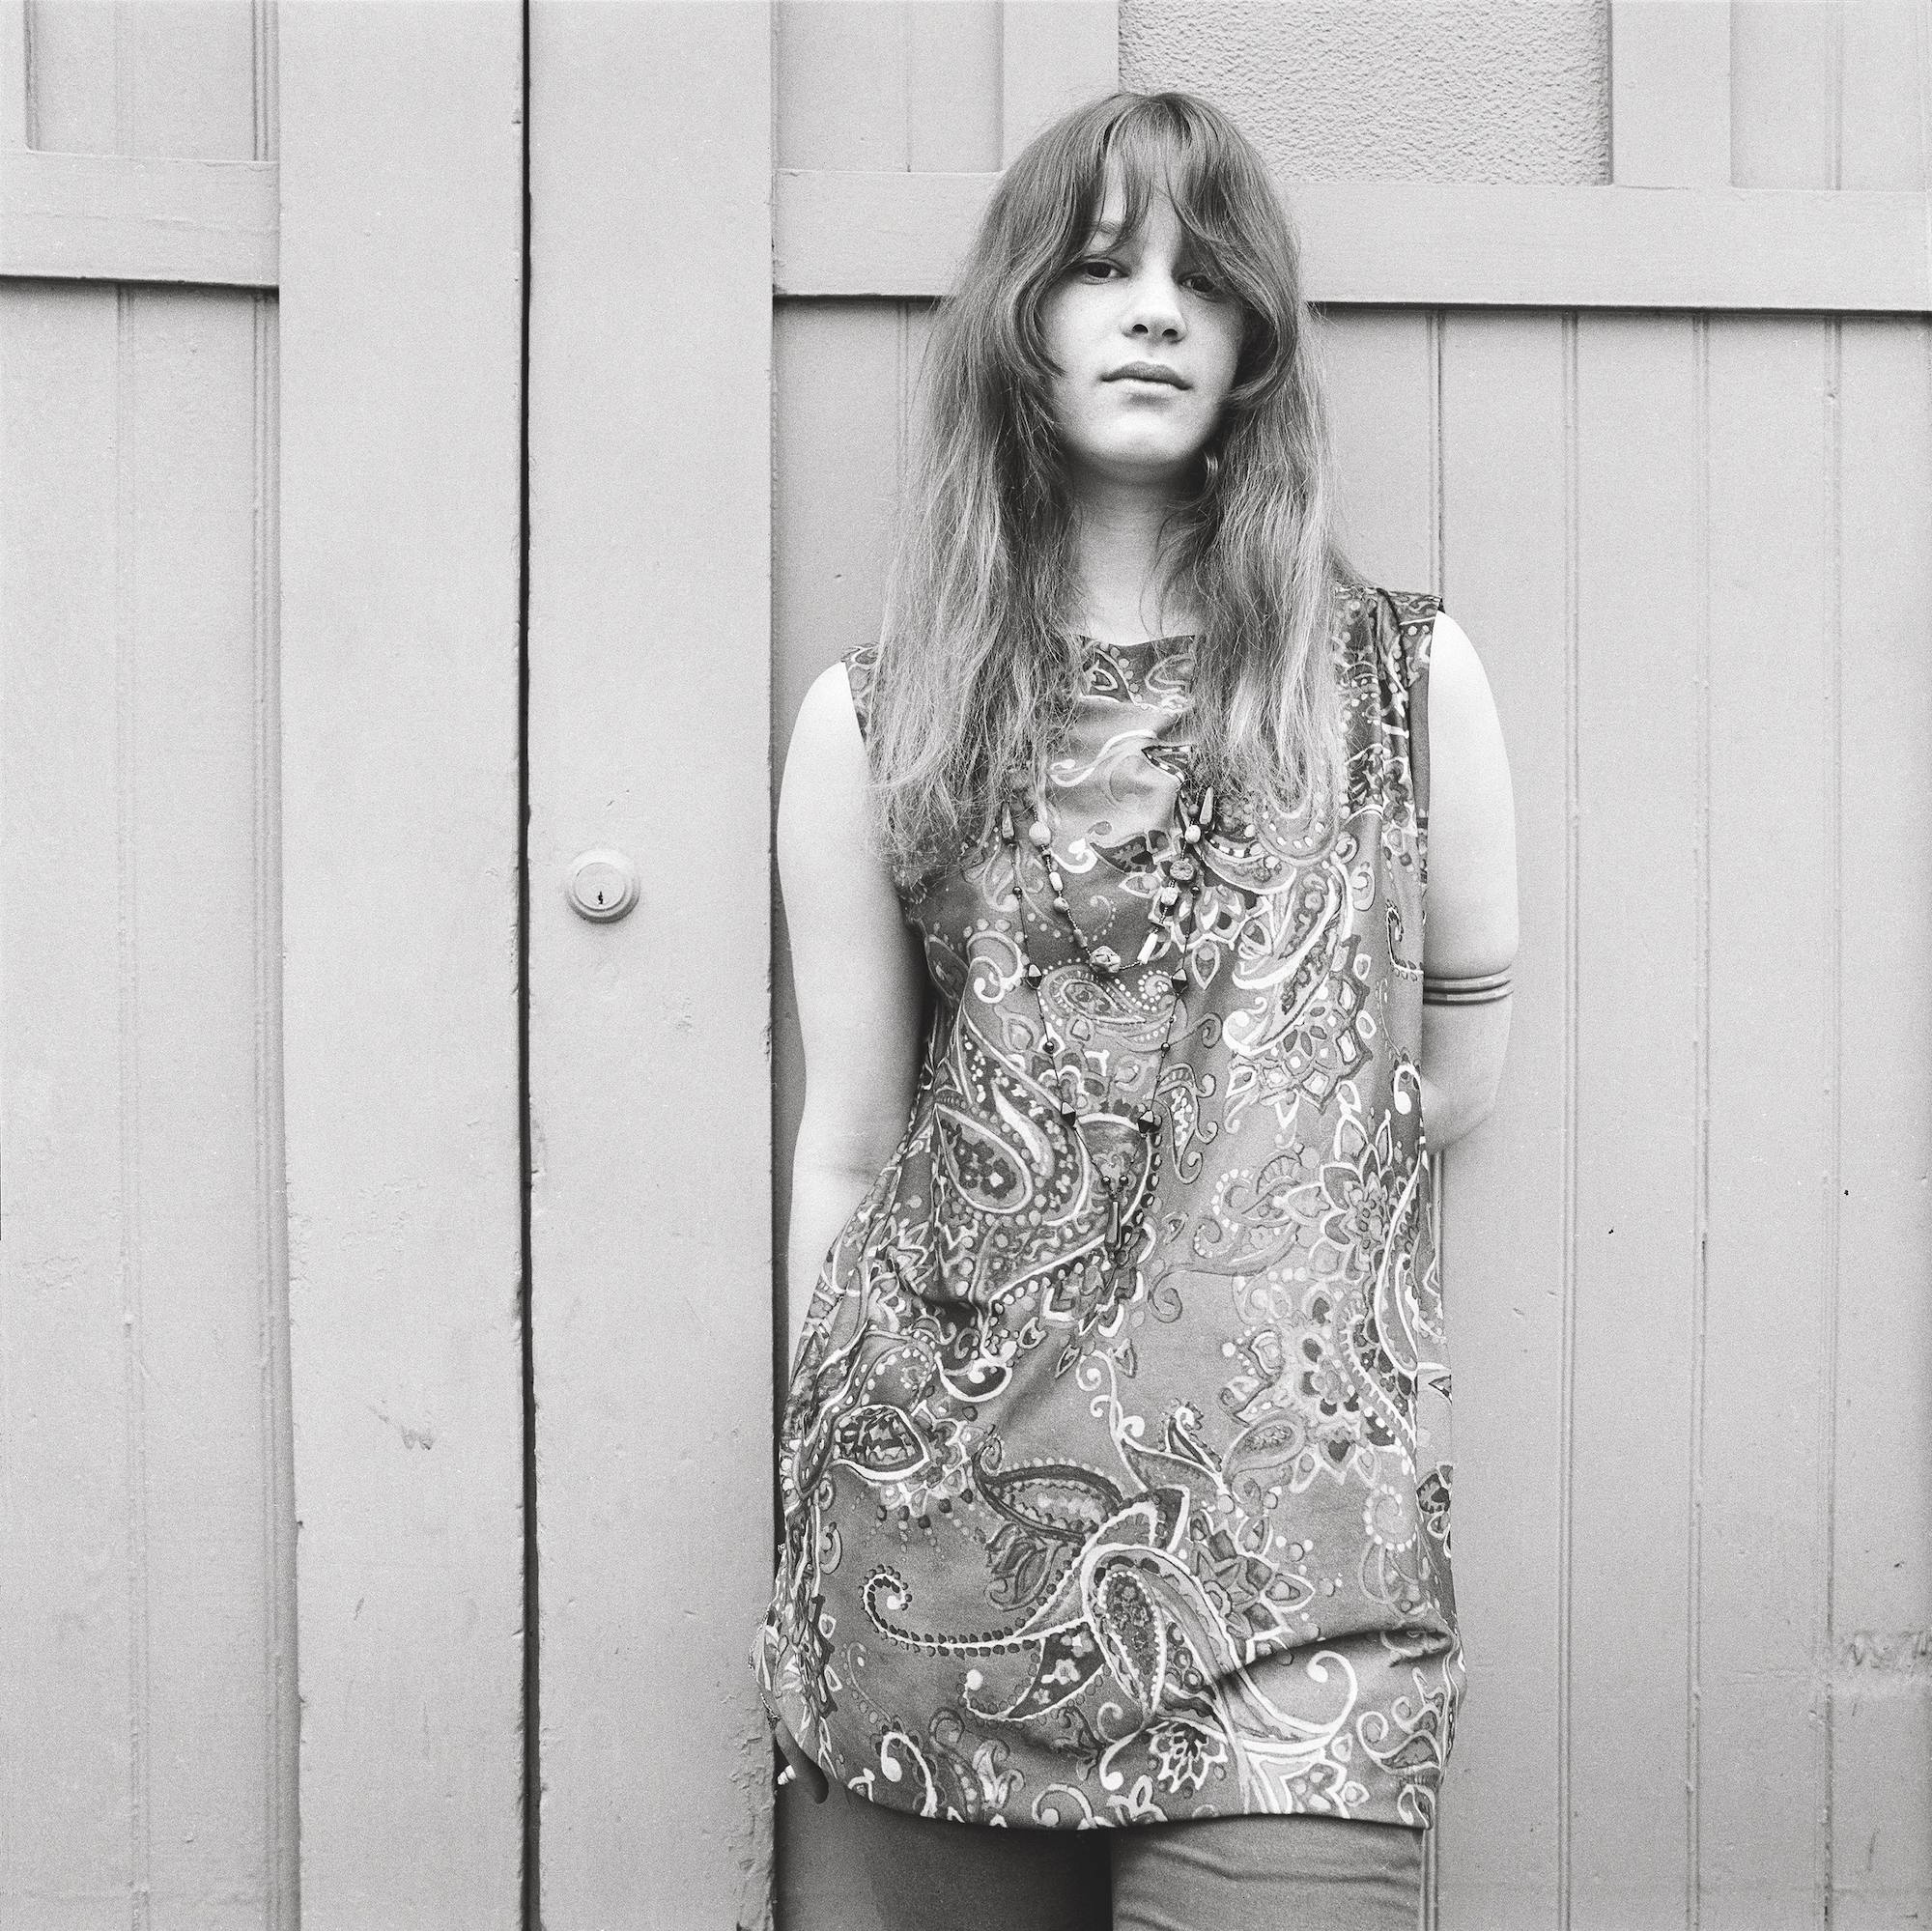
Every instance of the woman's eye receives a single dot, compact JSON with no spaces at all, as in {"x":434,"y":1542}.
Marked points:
{"x":1201,"y":282}
{"x":1096,"y":269}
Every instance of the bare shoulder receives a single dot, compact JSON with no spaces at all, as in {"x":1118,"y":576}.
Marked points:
{"x":1456,"y":674}
{"x":825,"y":847}
{"x":1463,"y":728}
{"x":826,"y":732}
{"x":1473,"y":922}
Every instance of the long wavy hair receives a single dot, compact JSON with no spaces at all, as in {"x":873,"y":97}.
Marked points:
{"x":978,"y":669}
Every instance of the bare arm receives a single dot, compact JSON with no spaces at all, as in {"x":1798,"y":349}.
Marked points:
{"x":859,"y":977}
{"x":1469,"y":923}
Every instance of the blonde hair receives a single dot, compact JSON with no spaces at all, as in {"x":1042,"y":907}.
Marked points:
{"x":976,"y":672}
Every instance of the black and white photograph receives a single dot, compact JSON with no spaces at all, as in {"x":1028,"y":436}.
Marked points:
{"x":963,"y":965}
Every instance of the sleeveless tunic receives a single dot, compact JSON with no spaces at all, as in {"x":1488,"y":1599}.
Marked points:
{"x":1060,"y":1552}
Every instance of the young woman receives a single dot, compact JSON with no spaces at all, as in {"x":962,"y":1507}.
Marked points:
{"x":1115,"y":1462}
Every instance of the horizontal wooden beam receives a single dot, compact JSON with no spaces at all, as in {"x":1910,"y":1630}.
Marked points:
{"x":855,"y":234}
{"x":109,"y":217}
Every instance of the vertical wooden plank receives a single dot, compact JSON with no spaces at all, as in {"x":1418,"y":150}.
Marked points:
{"x":1380,"y":369}
{"x":281,"y":1797}
{"x":1773,"y":1148}
{"x":73,"y":1738}
{"x":143,"y":1455}
{"x":402,"y":247}
{"x":1382,"y":375}
{"x":199,"y":949}
{"x":1054,"y":55}
{"x":14,"y":121}
{"x":649,"y":731}
{"x":1785,"y":100}
{"x":953,"y":53}
{"x":839,"y":73}
{"x":71,"y":71}
{"x":1630,"y":1557}
{"x":839,"y":376}
{"x":1670,"y":92}
{"x":840,"y":393}
{"x":1506,"y":513}
{"x":1886,"y":87}
{"x":888,"y":84}
{"x":1881,"y":1653}
{"x":190,"y":76}
{"x":180,"y":79}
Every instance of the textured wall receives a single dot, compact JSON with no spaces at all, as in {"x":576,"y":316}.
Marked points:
{"x":1335,"y":90}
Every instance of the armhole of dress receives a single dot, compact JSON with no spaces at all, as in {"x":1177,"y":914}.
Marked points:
{"x":858,"y":663}
{"x":1417,"y":663}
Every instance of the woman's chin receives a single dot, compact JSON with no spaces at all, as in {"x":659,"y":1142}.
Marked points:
{"x":1140,"y":464}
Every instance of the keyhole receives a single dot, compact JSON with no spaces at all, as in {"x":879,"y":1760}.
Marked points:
{"x":603,"y":886}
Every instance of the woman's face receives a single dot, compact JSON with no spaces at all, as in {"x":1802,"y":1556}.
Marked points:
{"x":1145,"y":343}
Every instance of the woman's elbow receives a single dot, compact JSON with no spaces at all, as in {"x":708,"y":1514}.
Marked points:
{"x":1453,"y":1110}
{"x":1463,"y":1049}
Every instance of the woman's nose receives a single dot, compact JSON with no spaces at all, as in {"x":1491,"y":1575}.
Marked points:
{"x":1154,"y":315}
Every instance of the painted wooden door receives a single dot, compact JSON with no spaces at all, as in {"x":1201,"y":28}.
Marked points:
{"x":267,"y":913}
{"x":649,"y":734}
{"x":260,"y":1363}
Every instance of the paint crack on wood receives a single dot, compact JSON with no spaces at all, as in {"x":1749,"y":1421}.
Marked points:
{"x":423,"y":1438}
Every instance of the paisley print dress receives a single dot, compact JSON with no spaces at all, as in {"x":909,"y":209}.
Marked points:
{"x":1066,"y":1545}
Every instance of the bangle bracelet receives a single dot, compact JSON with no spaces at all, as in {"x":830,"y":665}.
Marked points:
{"x":1476,"y":990}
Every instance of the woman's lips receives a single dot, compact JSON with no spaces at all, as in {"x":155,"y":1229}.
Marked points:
{"x":1147,"y":372}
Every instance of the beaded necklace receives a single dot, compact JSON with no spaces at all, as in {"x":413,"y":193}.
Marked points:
{"x":1177,"y":880}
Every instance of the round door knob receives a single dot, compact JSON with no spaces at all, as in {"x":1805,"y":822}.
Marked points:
{"x":603,"y":886}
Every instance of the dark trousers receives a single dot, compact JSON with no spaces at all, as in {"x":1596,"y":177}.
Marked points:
{"x":1225,"y":1874}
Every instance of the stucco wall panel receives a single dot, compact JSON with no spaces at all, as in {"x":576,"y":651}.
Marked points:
{"x":1340,"y":90}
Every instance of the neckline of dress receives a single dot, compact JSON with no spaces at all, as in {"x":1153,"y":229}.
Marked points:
{"x":1142,"y":642}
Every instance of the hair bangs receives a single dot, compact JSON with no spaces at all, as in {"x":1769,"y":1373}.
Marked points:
{"x":978,"y":669}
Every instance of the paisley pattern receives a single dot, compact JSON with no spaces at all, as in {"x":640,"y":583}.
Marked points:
{"x":1067,"y":1545}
